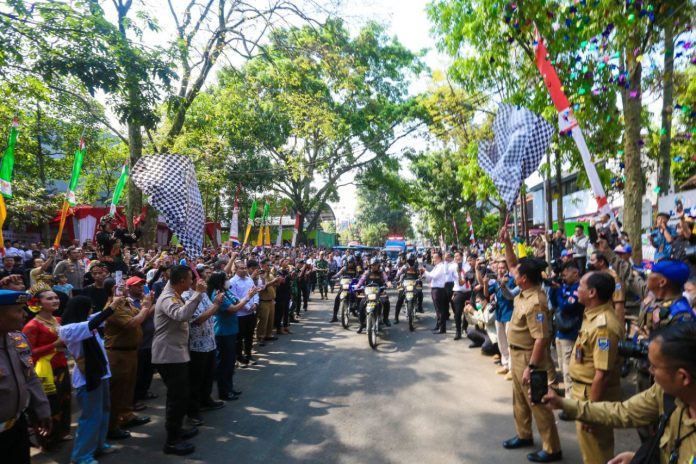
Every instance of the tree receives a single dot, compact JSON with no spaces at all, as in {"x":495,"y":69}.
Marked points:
{"x":319,"y":104}
{"x":374,"y":234}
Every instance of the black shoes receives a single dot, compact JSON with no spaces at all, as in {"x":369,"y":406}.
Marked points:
{"x":458,"y":336}
{"x":543,"y":456}
{"x":387,"y":323}
{"x":196,"y":421}
{"x":212,"y":404}
{"x":236,"y":392}
{"x":136,"y":421}
{"x":231,"y":397}
{"x":396,"y":321}
{"x":517,"y":442}
{"x":118,"y":434}
{"x":361,"y":329}
{"x":334,"y":319}
{"x":180,"y":449}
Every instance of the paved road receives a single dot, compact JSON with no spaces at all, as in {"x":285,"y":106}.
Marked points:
{"x":321,"y":395}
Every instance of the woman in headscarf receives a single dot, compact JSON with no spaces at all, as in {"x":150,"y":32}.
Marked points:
{"x":90,"y":376}
{"x":47,"y":352}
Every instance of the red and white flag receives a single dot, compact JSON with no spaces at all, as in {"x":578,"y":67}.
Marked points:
{"x":234,"y":223}
{"x":472,"y":238}
{"x":296,"y":229}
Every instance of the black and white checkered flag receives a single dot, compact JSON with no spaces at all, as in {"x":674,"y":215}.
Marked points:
{"x":170,"y":183}
{"x":520,"y":140}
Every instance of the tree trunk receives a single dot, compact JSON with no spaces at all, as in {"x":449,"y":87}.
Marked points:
{"x":635,"y":184}
{"x":664,"y":156}
{"x":559,"y":200}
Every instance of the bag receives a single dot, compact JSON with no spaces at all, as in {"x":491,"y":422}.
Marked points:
{"x":649,"y":452}
{"x":44,"y":372}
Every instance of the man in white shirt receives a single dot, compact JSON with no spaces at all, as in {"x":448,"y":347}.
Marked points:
{"x":452,"y":272}
{"x":437,"y":278}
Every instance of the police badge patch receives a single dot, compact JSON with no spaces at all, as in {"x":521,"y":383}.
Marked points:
{"x":603,"y":343}
{"x":540,"y":317}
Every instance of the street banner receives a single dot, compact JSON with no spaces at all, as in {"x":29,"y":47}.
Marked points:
{"x":70,"y":197}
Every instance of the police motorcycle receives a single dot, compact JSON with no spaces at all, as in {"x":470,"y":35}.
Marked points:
{"x":412,"y":289}
{"x":373,"y":309}
{"x":349,"y":300}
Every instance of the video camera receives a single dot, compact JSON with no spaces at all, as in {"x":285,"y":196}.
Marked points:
{"x":634,"y":349}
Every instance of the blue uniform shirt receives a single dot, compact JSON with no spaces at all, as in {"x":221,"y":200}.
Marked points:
{"x":566,"y":299}
{"x":503,"y":309}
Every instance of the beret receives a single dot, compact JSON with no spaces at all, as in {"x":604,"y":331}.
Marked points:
{"x":12,"y":297}
{"x":674,"y":271}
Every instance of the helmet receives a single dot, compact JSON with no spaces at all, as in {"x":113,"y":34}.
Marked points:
{"x":374,"y":261}
{"x":358,"y":255}
{"x":350,"y":260}
{"x":411,"y":259}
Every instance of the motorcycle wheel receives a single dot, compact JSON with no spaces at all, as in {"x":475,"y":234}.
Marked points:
{"x":372,"y":330}
{"x":411,"y":316}
{"x":345,"y":313}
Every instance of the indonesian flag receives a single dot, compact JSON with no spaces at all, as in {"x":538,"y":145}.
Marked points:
{"x":296,"y":229}
{"x":472,"y":238}
{"x":234,"y":223}
{"x":279,"y":238}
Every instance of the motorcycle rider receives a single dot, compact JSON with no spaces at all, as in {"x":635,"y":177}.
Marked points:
{"x":409,"y":271}
{"x":350,"y":270}
{"x":374,"y":275}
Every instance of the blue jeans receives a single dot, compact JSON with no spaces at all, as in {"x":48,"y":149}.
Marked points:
{"x":93,"y":424}
{"x":226,"y":359}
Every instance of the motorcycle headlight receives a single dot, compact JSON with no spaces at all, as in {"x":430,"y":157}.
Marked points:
{"x":372,"y":296}
{"x":409,"y":288}
{"x":346,"y":286}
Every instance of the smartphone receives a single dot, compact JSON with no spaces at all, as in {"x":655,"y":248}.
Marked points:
{"x":118,"y":276}
{"x":539,"y":383}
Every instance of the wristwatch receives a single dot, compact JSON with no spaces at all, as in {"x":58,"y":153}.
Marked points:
{"x":531,"y":366}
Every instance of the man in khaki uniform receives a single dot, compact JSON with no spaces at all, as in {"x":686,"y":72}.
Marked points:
{"x":529,"y":337}
{"x":122,"y":337}
{"x":670,"y":401}
{"x":265,"y":316}
{"x":600,"y":262}
{"x":595,"y":366}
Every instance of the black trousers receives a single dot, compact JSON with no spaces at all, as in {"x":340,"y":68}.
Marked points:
{"x":14,"y":443}
{"x":441,"y":303}
{"x":449,"y":287}
{"x":176,"y":378}
{"x":282,"y":310}
{"x":400,"y":302}
{"x":304,"y":293}
{"x":202,"y":370}
{"x":146,"y":370}
{"x":460,"y":300}
{"x":245,"y":338}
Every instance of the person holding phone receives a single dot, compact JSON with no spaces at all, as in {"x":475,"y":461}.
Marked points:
{"x":529,"y":338}
{"x":595,"y":364}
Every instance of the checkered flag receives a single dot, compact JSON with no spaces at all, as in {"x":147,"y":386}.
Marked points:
{"x":170,"y":183}
{"x":520,"y":140}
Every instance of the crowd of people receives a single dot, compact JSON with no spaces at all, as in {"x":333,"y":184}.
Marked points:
{"x":121,"y":313}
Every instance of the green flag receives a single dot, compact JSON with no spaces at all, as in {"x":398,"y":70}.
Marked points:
{"x":8,"y":161}
{"x":77,"y":167}
{"x":119,"y":189}
{"x":266,"y":210}
{"x":252,"y":212}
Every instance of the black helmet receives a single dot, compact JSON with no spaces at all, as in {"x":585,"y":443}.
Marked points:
{"x":350,"y":260}
{"x":374,"y":261}
{"x":411,"y":259}
{"x":358,"y":254}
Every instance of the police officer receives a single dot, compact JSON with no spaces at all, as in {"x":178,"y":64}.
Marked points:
{"x":671,"y":401}
{"x":350,"y":270}
{"x":374,"y":275}
{"x":409,"y":271}
{"x":20,"y":386}
{"x":529,"y":337}
{"x":595,"y":367}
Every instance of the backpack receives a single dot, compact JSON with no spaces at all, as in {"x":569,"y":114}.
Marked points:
{"x":649,"y":452}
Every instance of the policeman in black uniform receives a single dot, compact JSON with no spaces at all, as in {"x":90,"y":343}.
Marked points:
{"x":374,"y":275}
{"x":409,"y":271}
{"x":350,"y":270}
{"x":18,"y":381}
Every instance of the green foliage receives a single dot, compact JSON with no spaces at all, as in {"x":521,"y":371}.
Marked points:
{"x":30,"y":204}
{"x":374,"y":234}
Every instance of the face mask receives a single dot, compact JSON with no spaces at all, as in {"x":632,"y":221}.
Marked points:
{"x":689,"y":297}
{"x":479,"y":306}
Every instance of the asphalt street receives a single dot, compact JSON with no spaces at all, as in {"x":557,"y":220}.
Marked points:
{"x":321,"y":395}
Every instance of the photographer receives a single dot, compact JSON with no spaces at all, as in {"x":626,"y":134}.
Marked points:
{"x":567,"y":318}
{"x":671,"y":401}
{"x":595,"y":367}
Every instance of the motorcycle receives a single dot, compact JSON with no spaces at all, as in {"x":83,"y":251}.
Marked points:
{"x":411,"y":288}
{"x":348,"y":299}
{"x":373,"y":309}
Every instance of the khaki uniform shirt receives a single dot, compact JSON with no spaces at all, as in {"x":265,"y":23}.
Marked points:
{"x":117,"y":335}
{"x":268,"y":293}
{"x":171,"y":339}
{"x":597,"y":346}
{"x":19,"y":385}
{"x":530,"y":319}
{"x":640,"y":410}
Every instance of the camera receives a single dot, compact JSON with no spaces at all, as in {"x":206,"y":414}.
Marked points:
{"x":634,"y":349}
